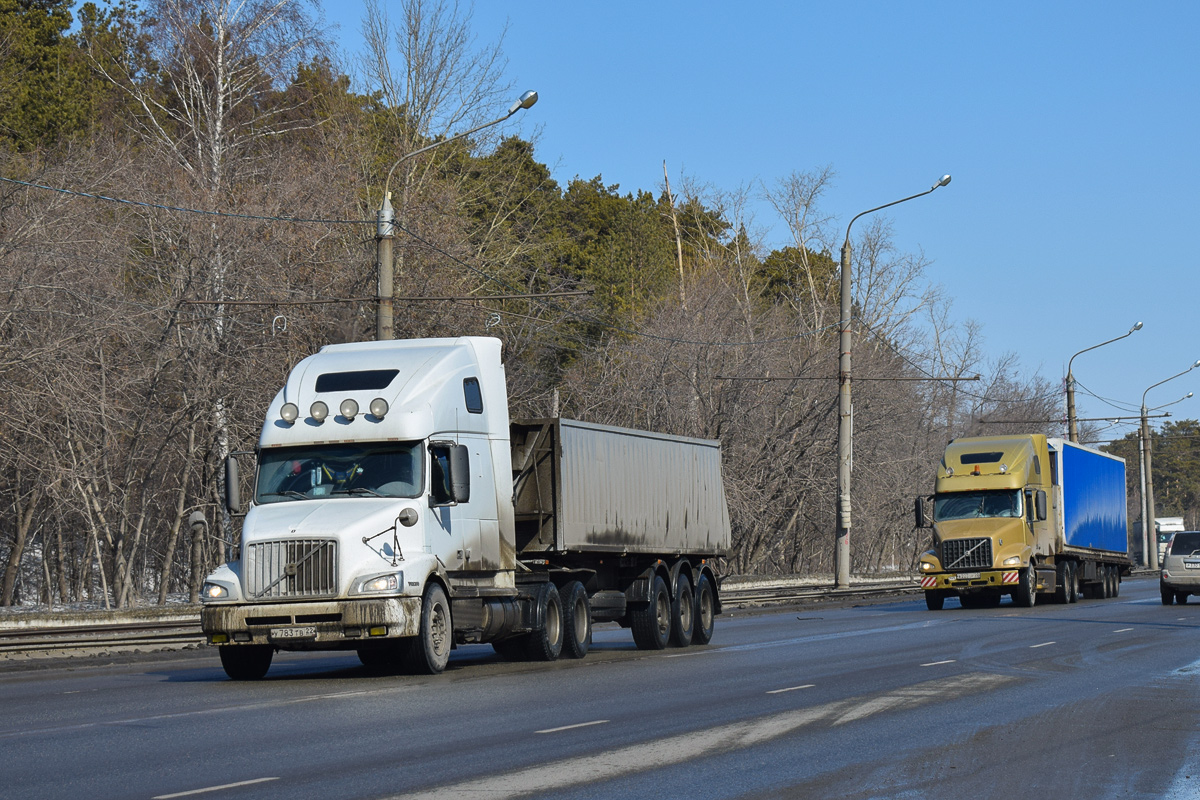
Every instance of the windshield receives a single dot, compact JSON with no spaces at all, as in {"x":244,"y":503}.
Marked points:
{"x":380,"y":469}
{"x":971,"y":505}
{"x":1185,"y":543}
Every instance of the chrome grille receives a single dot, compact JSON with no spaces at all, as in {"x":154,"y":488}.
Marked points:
{"x":960,"y":554}
{"x":293,"y":568}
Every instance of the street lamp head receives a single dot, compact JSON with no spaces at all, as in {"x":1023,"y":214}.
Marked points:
{"x":1136,"y":327}
{"x":524,"y":101}
{"x":942,"y":181}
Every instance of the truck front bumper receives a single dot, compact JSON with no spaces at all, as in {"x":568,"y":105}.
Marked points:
{"x":966,"y":581}
{"x":328,"y":625}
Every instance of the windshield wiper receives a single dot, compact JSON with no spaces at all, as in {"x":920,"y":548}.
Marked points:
{"x":297,"y":495}
{"x":358,"y":490}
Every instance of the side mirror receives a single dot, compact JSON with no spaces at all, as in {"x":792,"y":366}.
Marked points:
{"x":1040,"y":505}
{"x":919,"y":513}
{"x":233,"y":490}
{"x":460,"y":473}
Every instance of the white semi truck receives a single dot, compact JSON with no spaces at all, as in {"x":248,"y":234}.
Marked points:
{"x":399,"y":512}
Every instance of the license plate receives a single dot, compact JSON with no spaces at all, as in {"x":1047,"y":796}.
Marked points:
{"x":966,"y":576}
{"x":1191,"y":565}
{"x":304,"y":632}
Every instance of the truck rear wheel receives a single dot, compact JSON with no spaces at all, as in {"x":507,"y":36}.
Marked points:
{"x":651,"y":624}
{"x":683,"y":613}
{"x":546,"y":643}
{"x":706,"y":612}
{"x":1062,"y":580}
{"x":577,"y":620}
{"x":1025,"y":595}
{"x":429,"y":651}
{"x":247,"y":662}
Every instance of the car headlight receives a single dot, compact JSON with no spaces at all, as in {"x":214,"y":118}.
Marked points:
{"x":1011,"y":561}
{"x":388,"y":583}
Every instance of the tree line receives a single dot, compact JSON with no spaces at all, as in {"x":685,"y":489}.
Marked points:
{"x":187,"y":201}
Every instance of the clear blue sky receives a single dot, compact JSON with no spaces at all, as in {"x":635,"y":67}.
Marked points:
{"x":1070,"y":129}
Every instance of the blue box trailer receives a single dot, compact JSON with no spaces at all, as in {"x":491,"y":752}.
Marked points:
{"x":1091,"y":495}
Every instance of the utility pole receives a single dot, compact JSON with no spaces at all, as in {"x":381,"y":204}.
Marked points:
{"x":385,"y":228}
{"x":845,"y":409}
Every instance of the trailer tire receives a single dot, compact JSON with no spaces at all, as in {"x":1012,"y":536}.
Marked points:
{"x":1109,"y":588}
{"x":1168,"y":596}
{"x":1062,"y":591}
{"x":428,"y":652}
{"x":683,"y":613}
{"x":935,"y":600}
{"x":1073,"y":581}
{"x":1025,"y":595}
{"x":706,"y":612}
{"x":577,"y":621}
{"x":651,"y":624}
{"x":248,"y":662}
{"x":546,"y":643}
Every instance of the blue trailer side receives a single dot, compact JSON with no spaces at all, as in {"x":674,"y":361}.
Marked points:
{"x":1093,"y":498}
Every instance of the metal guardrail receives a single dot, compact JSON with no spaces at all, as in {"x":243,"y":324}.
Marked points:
{"x":32,"y":639}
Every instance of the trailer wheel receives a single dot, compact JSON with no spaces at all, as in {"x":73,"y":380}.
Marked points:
{"x":935,"y":600}
{"x":1116,"y":581}
{"x":652,"y":624}
{"x":1168,"y":596}
{"x":546,"y":643}
{"x":683,"y":613}
{"x":1073,"y":581}
{"x":1108,"y":582}
{"x":577,"y":620}
{"x":706,"y":612}
{"x":428,"y":652}
{"x":1062,"y":579}
{"x":1025,"y":595}
{"x":248,"y":662}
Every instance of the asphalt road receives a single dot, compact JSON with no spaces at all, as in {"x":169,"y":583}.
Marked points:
{"x":1099,"y":699}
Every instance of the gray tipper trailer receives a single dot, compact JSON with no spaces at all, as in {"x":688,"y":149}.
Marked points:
{"x":433,"y":520}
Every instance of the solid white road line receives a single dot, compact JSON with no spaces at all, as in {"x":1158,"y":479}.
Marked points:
{"x":939,"y":663}
{"x":1043,"y":644}
{"x":792,"y":688}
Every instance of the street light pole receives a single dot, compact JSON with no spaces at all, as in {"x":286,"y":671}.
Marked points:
{"x":1142,"y":439}
{"x":1072,"y":427}
{"x":386,"y":222}
{"x":845,"y":431}
{"x":1148,"y":477}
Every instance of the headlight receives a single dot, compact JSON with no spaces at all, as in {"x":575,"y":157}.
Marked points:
{"x":389,"y":583}
{"x":926,"y":566}
{"x":214,"y":591}
{"x":1013,"y":561}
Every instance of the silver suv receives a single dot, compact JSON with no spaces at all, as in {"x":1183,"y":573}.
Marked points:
{"x":1181,"y":568}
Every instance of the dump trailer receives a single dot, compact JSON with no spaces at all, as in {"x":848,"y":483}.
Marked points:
{"x":398,"y":512}
{"x":1026,"y":516}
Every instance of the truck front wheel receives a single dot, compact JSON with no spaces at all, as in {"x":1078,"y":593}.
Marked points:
{"x":1025,"y":594}
{"x":429,"y":651}
{"x":248,"y":662}
{"x":546,"y":643}
{"x":651,"y":624}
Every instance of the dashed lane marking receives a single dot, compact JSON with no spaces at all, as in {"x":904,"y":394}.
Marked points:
{"x":214,"y":788}
{"x":572,"y":727}
{"x":792,"y":688}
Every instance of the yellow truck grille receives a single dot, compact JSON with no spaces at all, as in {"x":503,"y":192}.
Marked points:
{"x":960,"y":554}
{"x":291,"y":568}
